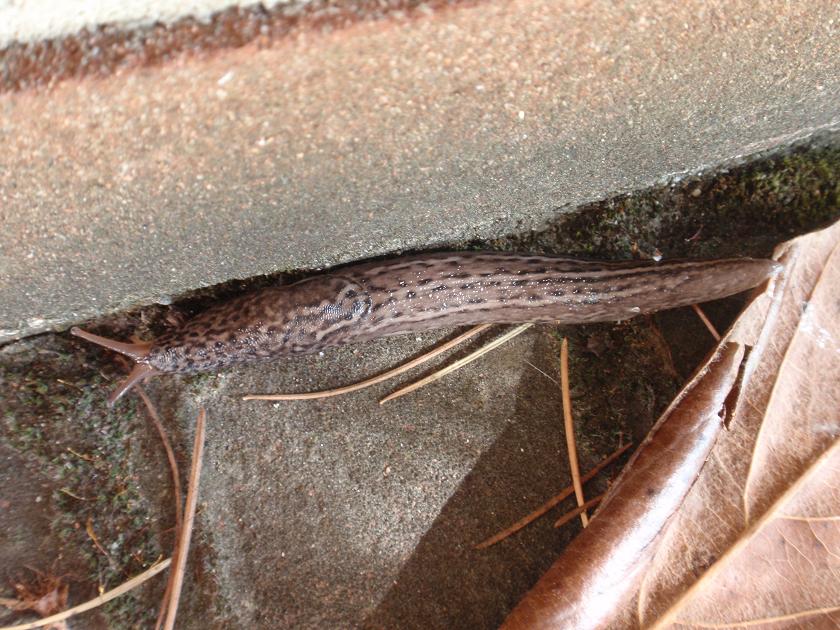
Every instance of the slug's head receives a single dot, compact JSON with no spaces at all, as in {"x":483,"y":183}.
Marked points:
{"x":137,"y":351}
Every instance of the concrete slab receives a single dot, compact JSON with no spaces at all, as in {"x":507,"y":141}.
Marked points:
{"x":327,"y":147}
{"x":319,"y":512}
{"x":345,"y":513}
{"x":35,"y":20}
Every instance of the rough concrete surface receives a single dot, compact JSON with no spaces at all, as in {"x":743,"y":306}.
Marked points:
{"x":345,"y":513}
{"x":33,"y":20}
{"x":467,"y":123}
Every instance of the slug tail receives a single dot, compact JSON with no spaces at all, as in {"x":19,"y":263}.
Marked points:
{"x":136,"y":351}
{"x":140,"y":373}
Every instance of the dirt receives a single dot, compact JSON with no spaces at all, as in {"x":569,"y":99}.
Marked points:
{"x":87,"y":495}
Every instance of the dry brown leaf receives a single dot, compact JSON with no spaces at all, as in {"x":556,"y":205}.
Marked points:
{"x":45,"y":596}
{"x":708,"y":528}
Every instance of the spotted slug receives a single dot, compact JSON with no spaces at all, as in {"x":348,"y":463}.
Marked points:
{"x":415,"y":293}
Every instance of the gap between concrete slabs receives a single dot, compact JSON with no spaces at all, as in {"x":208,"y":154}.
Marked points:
{"x":469,"y":123}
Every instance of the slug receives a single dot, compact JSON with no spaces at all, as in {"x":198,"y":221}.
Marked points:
{"x":421,"y":292}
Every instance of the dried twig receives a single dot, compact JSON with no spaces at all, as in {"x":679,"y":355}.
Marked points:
{"x":170,"y":454}
{"x":568,"y":516}
{"x":709,"y":325}
{"x":180,"y":558}
{"x":570,"y":429}
{"x":75,"y":496}
{"x":176,"y":489}
{"x":106,"y":597}
{"x":375,"y":379}
{"x":92,"y":535}
{"x":552,"y":502}
{"x":458,"y":364}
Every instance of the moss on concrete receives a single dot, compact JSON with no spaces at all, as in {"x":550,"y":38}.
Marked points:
{"x":53,"y":413}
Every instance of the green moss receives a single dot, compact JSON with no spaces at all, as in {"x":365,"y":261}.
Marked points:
{"x":54,"y":413}
{"x":744,"y":211}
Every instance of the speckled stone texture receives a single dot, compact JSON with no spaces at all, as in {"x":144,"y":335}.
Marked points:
{"x":329,"y":146}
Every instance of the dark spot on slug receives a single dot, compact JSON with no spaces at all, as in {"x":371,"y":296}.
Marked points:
{"x":350,"y":293}
{"x":410,"y":295}
{"x":534,"y":298}
{"x":558,"y":293}
{"x":425,"y":281}
{"x":441,"y":287}
{"x":519,"y":283}
{"x":476,"y":301}
{"x":469,"y":286}
{"x":397,"y":315}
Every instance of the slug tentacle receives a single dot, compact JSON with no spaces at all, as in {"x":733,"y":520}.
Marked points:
{"x":139,"y":373}
{"x":421,"y":292}
{"x":136,"y":351}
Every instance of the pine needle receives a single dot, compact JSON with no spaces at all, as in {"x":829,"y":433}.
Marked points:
{"x":170,"y":454}
{"x":568,"y":516}
{"x":458,"y":364}
{"x":176,"y":489}
{"x":106,"y":597}
{"x":709,"y":325}
{"x":375,"y":379}
{"x":552,"y":502}
{"x":180,"y":559}
{"x":570,"y":429}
